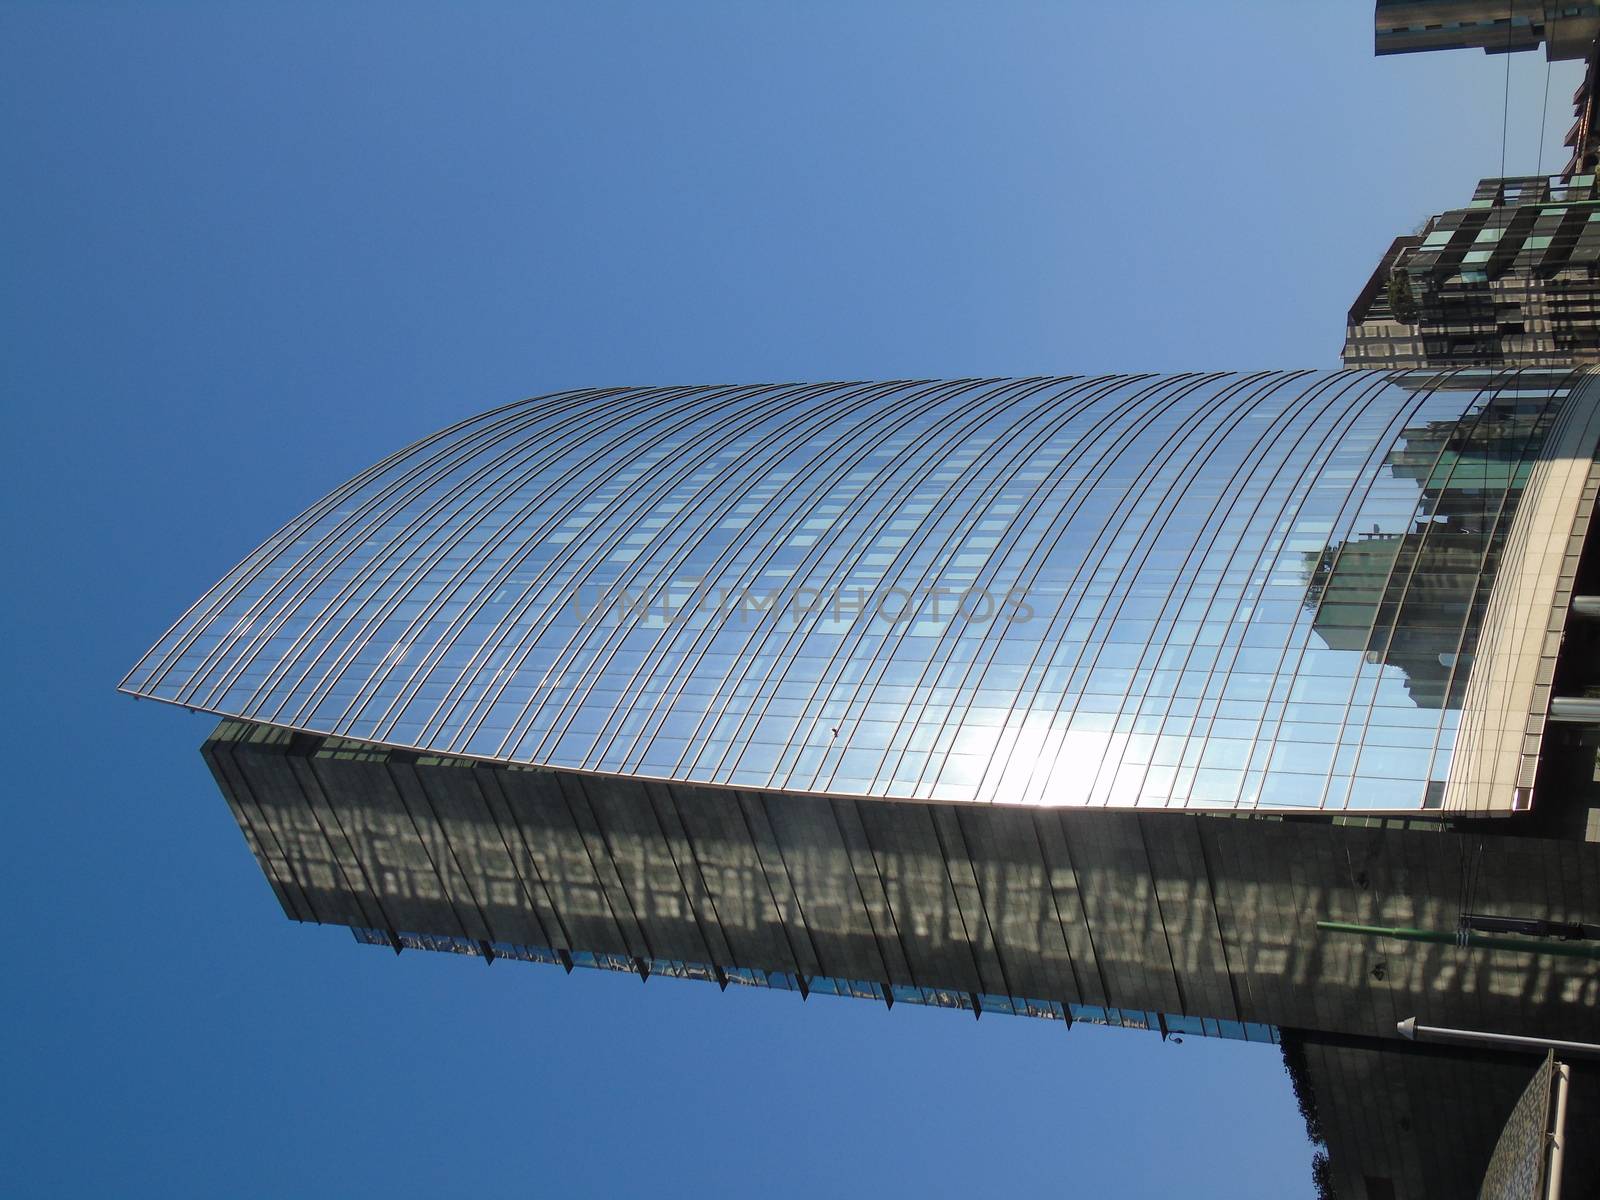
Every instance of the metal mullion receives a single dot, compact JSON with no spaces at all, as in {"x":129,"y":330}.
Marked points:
{"x":1029,"y":431}
{"x":930,"y":811}
{"x":756,"y":802}
{"x":290,"y":529}
{"x":995,"y":941}
{"x":806,"y":424}
{"x":1492,"y":528}
{"x":1055,"y":815}
{"x":518,"y":654}
{"x":1048,"y":886}
{"x":670,"y":799}
{"x":1153,"y":395}
{"x":315,"y":780}
{"x":888,"y":907}
{"x":1379,"y":445}
{"x":1422,"y":394}
{"x":1550,"y":418}
{"x":1124,"y":516}
{"x":879,"y":514}
{"x":1330,"y":389}
{"x":1161,"y":915}
{"x":421,"y":842}
{"x":531,"y":539}
{"x":1530,"y":448}
{"x":882,"y":510}
{"x":510,"y":461}
{"x":566,"y":434}
{"x":495,"y":636}
{"x":331,"y":551}
{"x":884,"y":429}
{"x":293,"y":584}
{"x":646,"y":790}
{"x":236,"y":782}
{"x":449,"y":847}
{"x":855,"y":399}
{"x":1156,"y":398}
{"x":561,"y":781}
{"x":1570,"y":385}
{"x":1200,"y":827}
{"x":1327,"y":389}
{"x":1349,"y":702}
{"x":1195,"y":421}
{"x":739,"y":803}
{"x":493,"y":784}
{"x":881,"y":430}
{"x":1097,"y":389}
{"x":581,"y":788}
{"x":1411,"y":571}
{"x":1269,"y":389}
{"x":474,"y":774}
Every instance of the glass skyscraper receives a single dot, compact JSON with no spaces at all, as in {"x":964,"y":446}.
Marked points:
{"x":1079,"y":698}
{"x":1260,"y":592}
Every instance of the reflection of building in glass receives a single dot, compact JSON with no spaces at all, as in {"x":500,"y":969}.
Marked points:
{"x":1082,"y":699}
{"x":1373,"y":562}
{"x":1409,"y":598}
{"x":1511,"y":280}
{"x":1566,"y":30}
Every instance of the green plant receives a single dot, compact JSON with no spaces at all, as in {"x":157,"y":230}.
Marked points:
{"x":1322,"y":1176}
{"x":1294,"y":1062}
{"x":1402,"y":304}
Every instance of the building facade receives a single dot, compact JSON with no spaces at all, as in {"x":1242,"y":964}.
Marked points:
{"x":1083,"y":699}
{"x":1512,"y":280}
{"x":1583,"y":136}
{"x":1566,"y":30}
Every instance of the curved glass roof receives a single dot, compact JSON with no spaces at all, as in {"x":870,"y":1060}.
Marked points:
{"x":1245,"y":590}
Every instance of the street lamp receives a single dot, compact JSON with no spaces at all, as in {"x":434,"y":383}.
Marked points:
{"x":1412,"y":1032}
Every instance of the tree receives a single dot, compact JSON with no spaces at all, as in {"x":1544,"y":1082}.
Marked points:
{"x":1402,"y":304}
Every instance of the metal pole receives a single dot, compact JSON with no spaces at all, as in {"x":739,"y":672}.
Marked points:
{"x":1481,"y":941}
{"x":1567,"y":931}
{"x":1411,"y":1031}
{"x":1576,"y":710}
{"x":1558,"y":1142}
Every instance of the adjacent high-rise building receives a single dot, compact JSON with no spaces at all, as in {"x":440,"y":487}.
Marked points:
{"x":1583,"y":138}
{"x":1511,"y":280}
{"x":1566,"y":30}
{"x":1085,"y":699}
{"x":1506,"y":26}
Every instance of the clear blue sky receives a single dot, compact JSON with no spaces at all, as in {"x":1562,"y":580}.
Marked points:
{"x":246,"y":250}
